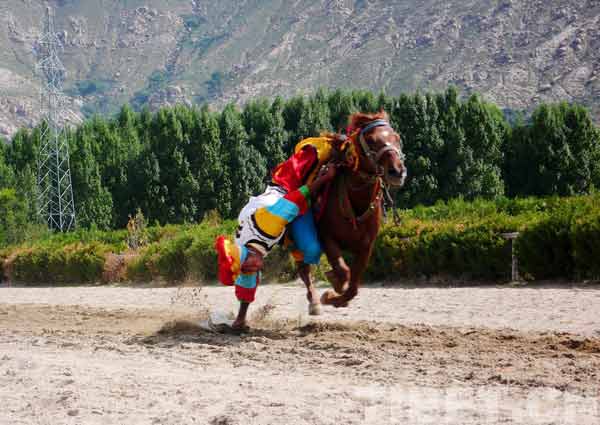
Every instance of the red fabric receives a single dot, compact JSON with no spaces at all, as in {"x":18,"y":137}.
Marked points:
{"x":301,"y":198}
{"x":247,"y":295}
{"x":292,"y":173}
{"x":225,"y":261}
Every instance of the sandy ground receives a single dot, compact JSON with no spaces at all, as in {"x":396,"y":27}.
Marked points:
{"x":396,"y":355}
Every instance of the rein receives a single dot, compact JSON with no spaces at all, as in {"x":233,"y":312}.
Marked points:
{"x":345,"y":203}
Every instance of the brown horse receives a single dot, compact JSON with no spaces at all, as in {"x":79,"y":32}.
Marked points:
{"x":353,"y":210}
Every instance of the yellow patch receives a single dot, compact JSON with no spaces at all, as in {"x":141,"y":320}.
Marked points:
{"x":324,"y":152}
{"x":268,"y":223}
{"x":324,"y":149}
{"x":322,"y":144}
{"x":234,"y":251}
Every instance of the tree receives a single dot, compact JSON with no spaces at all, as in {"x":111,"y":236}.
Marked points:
{"x":23,"y":149}
{"x":293,"y":110}
{"x":123,"y":152}
{"x":306,"y":117}
{"x":13,"y":217}
{"x":7,"y":175}
{"x":341,"y":106}
{"x":421,"y":144}
{"x":584,"y":150}
{"x":278,"y":136}
{"x":365,"y":100}
{"x":93,"y":201}
{"x":455,"y":144}
{"x":246,"y":166}
{"x":264,"y":125}
{"x":175,"y":200}
{"x":517,"y":169}
{"x":480,"y":163}
{"x":21,"y":156}
{"x":384,"y":102}
{"x":145,"y":179}
{"x":207,"y":162}
{"x":557,"y":154}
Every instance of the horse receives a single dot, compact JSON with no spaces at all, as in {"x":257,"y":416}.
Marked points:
{"x":353,"y":209}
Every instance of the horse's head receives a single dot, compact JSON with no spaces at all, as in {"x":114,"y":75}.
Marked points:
{"x":380,"y":147}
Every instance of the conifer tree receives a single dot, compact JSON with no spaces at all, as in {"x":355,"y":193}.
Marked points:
{"x":265,"y":128}
{"x":123,"y":153}
{"x":341,"y":106}
{"x":93,"y":201}
{"x":315,"y":117}
{"x":178,"y":188}
{"x":246,"y":166}
{"x":422,"y":185}
{"x":13,"y":217}
{"x":481,"y":160}
{"x":207,"y":162}
{"x":7,"y":177}
{"x":293,"y":111}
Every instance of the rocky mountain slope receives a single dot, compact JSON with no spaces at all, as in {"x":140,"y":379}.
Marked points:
{"x":515,"y":52}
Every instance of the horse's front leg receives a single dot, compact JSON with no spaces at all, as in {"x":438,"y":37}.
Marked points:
{"x":358,"y":267}
{"x":339,"y":276}
{"x":314,"y":305}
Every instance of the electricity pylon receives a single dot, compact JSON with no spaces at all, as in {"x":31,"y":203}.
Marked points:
{"x":55,"y":191}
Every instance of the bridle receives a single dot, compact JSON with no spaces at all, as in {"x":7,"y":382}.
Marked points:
{"x":374,"y":157}
{"x":376,"y":179}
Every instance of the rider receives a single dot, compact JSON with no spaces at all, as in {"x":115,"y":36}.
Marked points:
{"x":263,"y":221}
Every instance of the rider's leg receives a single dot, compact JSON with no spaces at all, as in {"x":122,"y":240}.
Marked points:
{"x":265,"y":225}
{"x":245,"y":291}
{"x":304,"y":234}
{"x":307,"y":251}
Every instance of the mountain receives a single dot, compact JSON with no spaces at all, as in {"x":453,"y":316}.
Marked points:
{"x":516,"y":53}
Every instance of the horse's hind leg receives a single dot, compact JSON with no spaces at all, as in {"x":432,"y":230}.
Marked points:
{"x":314,"y":304}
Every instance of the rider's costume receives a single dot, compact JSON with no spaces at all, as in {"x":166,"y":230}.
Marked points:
{"x":264,"y":219}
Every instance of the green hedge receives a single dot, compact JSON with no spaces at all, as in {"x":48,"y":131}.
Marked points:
{"x":174,"y":256}
{"x":47,"y":264}
{"x":560,"y":238}
{"x":585,"y":245}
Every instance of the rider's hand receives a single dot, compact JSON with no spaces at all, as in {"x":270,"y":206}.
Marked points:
{"x":327,"y":172}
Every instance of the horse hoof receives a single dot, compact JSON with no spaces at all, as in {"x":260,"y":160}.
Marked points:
{"x":314,"y":309}
{"x":328,"y":297}
{"x":337,"y":284}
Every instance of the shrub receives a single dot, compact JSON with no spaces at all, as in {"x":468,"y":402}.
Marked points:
{"x":179,"y":252}
{"x":545,"y":250}
{"x":585,"y":241}
{"x":171,"y":261}
{"x":75,"y":263}
{"x":560,"y":238}
{"x":474,"y":252}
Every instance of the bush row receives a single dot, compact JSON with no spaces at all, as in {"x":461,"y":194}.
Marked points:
{"x":70,"y":264}
{"x":559,"y":238}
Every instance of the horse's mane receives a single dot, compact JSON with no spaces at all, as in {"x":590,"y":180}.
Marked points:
{"x":359,"y":119}
{"x":355,"y":121}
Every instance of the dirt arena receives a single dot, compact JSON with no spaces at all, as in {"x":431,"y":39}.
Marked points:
{"x":396,"y":356}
